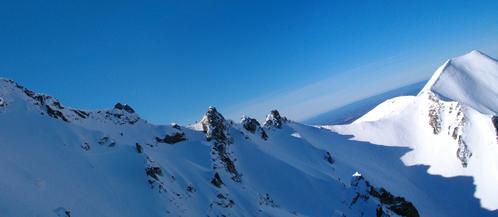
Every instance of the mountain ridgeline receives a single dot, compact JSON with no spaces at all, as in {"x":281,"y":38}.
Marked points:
{"x":433,"y":154}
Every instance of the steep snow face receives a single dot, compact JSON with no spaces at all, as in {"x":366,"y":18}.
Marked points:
{"x":470,"y":79}
{"x":449,"y":125}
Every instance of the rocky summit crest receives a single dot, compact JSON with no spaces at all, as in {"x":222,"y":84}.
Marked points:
{"x":275,"y":120}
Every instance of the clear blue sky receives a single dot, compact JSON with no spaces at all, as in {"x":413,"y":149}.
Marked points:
{"x":172,"y":59}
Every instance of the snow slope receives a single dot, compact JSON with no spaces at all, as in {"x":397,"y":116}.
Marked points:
{"x":449,"y":126}
{"x":348,"y":113}
{"x":61,"y":161}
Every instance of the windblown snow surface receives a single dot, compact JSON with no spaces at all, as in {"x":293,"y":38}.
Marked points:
{"x":428,"y":155}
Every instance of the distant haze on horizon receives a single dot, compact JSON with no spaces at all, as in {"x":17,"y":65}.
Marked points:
{"x":170,"y":60}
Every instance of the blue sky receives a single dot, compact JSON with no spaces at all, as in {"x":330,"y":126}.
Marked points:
{"x":172,"y":59}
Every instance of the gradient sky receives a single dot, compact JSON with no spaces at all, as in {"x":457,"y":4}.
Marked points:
{"x":172,"y":59}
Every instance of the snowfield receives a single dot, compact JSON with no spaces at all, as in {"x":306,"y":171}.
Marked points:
{"x":433,"y":154}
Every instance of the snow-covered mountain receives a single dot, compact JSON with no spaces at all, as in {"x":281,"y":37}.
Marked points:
{"x":451,"y":125}
{"x":62,"y":161}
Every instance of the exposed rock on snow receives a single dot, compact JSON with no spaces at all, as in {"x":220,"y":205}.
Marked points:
{"x":85,"y":146}
{"x":172,"y":139}
{"x":434,"y":113}
{"x":139,"y":148}
{"x":62,"y":212}
{"x":48,"y":104}
{"x":253,"y":126}
{"x":266,"y":200}
{"x":120,"y":115}
{"x":250,"y":124}
{"x":176,"y":126}
{"x":274,"y":119}
{"x":216,"y":127}
{"x":469,"y":79}
{"x":80,"y":113}
{"x":223,"y":201}
{"x":494,"y":120}
{"x":447,"y":125}
{"x":154,"y":174}
{"x":216,"y":181}
{"x":107,"y":141}
{"x":387,"y":204}
{"x":328,"y":158}
{"x":124,"y":107}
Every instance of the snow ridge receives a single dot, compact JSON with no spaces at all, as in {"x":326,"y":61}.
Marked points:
{"x":62,"y":161}
{"x":449,"y":125}
{"x":474,"y":71}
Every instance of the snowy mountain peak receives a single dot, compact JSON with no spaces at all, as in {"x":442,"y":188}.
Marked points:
{"x":214,"y":125}
{"x":475,"y":54}
{"x":450,"y":126}
{"x":470,"y":79}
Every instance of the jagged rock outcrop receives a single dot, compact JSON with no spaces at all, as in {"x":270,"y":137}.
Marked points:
{"x":48,"y":104}
{"x":253,"y":126}
{"x":172,"y":138}
{"x":124,"y":107}
{"x":154,"y":174}
{"x":447,"y":116}
{"x":275,"y":120}
{"x":216,"y":128}
{"x":456,"y":130}
{"x":121,"y":114}
{"x":214,"y":125}
{"x":435,"y":113}
{"x":388,"y":204}
{"x":216,"y":180}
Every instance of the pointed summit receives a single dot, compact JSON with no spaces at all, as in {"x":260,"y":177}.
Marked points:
{"x":475,"y":54}
{"x":274,"y":119}
{"x":124,"y":107}
{"x":470,"y":79}
{"x":213,"y":123}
